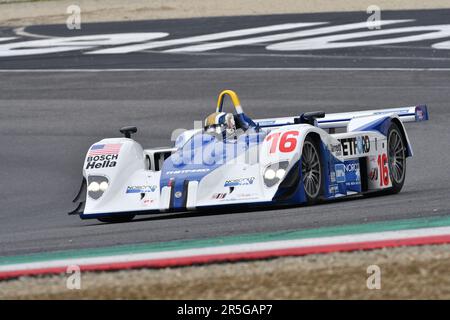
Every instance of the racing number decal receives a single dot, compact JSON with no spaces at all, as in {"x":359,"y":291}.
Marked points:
{"x":274,"y":137}
{"x":288,"y":141}
{"x":384,"y":170}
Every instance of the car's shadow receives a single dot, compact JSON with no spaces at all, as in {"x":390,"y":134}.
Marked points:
{"x":216,"y":211}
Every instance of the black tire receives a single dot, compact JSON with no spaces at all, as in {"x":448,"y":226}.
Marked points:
{"x":312,"y":170}
{"x":118,"y":219}
{"x":396,"y":150}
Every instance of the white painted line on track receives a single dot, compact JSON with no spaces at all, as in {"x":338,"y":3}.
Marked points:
{"x":278,"y":37}
{"x":203,"y":38}
{"x":21,"y":32}
{"x":218,"y":69}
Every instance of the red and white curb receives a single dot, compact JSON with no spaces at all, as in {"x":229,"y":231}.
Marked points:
{"x":245,"y":251}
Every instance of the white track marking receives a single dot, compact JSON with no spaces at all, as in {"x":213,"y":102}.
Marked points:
{"x":338,"y":41}
{"x":216,"y":69}
{"x":238,"y":248}
{"x":7,"y":39}
{"x":202,"y":38}
{"x":279,"y":37}
{"x":442,"y":45}
{"x":21,"y":32}
{"x":64,"y":44}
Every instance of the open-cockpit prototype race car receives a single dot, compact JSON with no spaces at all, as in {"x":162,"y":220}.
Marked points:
{"x":233,"y":160}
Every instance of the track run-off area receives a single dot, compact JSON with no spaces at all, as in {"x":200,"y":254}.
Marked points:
{"x":53,"y":106}
{"x":369,"y":236}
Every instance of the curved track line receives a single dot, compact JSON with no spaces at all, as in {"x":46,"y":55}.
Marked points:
{"x":21,"y":32}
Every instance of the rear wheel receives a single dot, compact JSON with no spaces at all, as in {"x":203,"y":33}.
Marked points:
{"x":311,"y":170}
{"x":116,"y":219}
{"x":396,"y":158}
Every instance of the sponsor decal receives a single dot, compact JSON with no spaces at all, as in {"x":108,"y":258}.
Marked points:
{"x":147,"y":202}
{"x":101,"y":161}
{"x":247,"y":196}
{"x":355,"y":145}
{"x":141,"y":189}
{"x":333,"y":176}
{"x":420,"y":114}
{"x":334,"y":188}
{"x":340,"y":173}
{"x":102,"y":149}
{"x":236,"y":197}
{"x":219,"y":195}
{"x":336,"y":149}
{"x":266,"y":122}
{"x":352,"y":176}
{"x":404,"y":111}
{"x":239,"y":182}
{"x":103,"y":156}
{"x":187,"y":171}
{"x":373,"y":174}
{"x":352,"y":167}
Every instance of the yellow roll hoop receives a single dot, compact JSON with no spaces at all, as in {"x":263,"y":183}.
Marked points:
{"x":234,"y":98}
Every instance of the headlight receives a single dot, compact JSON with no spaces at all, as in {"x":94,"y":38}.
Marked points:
{"x":274,"y":173}
{"x":103,"y":186}
{"x":269,"y":174}
{"x":97,"y":185}
{"x":280,"y":173}
{"x":94,"y":186}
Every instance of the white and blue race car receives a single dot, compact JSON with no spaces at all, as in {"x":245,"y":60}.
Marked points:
{"x":233,"y":160}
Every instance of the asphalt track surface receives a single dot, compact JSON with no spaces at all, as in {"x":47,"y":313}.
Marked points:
{"x":49,"y":119}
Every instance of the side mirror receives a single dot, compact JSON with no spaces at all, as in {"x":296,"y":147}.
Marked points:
{"x":310,"y":117}
{"x":127,"y":131}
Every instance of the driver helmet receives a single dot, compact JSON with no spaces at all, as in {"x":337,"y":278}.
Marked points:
{"x":220,"y":122}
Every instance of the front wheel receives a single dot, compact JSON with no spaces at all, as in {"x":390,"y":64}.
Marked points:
{"x":311,"y":170}
{"x":118,"y":219}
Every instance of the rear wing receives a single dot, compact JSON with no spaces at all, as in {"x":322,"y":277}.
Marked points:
{"x":341,"y":120}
